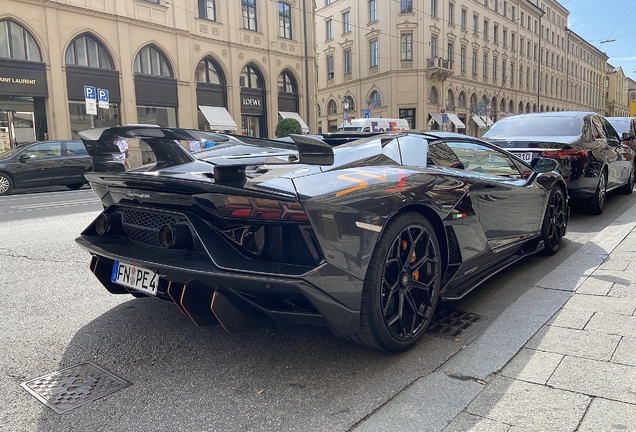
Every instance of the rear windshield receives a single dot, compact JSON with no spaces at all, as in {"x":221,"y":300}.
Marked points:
{"x":530,"y":126}
{"x":621,"y":126}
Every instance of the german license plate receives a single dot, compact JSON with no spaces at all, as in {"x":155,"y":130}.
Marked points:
{"x":526,"y":157}
{"x":135,"y":277}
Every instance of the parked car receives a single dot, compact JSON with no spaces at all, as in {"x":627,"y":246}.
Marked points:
{"x":592,"y":157}
{"x":44,"y":163}
{"x":364,"y":237}
{"x":626,"y":128}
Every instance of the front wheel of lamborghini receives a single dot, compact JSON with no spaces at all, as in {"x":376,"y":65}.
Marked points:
{"x":402,"y":284}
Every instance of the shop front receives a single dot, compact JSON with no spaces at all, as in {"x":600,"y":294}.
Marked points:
{"x":253,"y":112}
{"x":212,"y":98}
{"x":155,"y":88}
{"x":23,"y":89}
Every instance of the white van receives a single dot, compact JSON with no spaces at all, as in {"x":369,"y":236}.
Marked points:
{"x":374,"y":125}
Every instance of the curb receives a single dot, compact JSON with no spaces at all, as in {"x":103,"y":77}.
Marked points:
{"x":433,"y":401}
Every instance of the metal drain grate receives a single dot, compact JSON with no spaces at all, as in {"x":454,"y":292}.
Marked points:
{"x":74,"y":386}
{"x":453,"y":324}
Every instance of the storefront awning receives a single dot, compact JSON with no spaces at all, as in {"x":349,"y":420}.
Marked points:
{"x":456,"y":121}
{"x":436,"y":116}
{"x":303,"y":125}
{"x":479,"y":120}
{"x":218,"y":117}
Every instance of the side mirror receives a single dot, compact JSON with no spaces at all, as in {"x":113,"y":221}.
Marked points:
{"x":542,"y":165}
{"x":628,"y":136}
{"x":26,"y":156}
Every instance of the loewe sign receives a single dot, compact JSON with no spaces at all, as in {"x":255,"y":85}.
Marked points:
{"x":252,"y":102}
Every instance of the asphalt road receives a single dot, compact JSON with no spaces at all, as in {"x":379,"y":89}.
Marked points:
{"x":55,"y":314}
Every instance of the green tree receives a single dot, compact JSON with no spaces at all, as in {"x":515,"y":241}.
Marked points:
{"x":288,"y":126}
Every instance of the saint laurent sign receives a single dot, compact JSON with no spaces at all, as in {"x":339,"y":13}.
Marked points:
{"x":9,"y":80}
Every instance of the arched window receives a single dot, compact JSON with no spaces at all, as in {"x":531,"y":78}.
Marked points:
{"x":520,"y":108}
{"x":534,"y":107}
{"x":151,"y":61}
{"x":376,"y":99}
{"x":332,"y":107}
{"x":352,"y":105}
{"x":473,"y":101}
{"x":286,"y":83}
{"x":87,"y":51}
{"x":17,"y":43}
{"x":207,"y":71}
{"x":461,"y":101}
{"x":542,"y":110}
{"x":511,"y":107}
{"x":528,"y":107}
{"x":319,"y":109}
{"x":251,"y":78}
{"x":450,"y":99}
{"x":502,"y":105}
{"x":432,"y":96}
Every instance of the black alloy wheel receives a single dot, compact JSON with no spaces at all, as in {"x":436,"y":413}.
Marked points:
{"x":628,"y":188}
{"x":597,"y":202}
{"x":554,"y":221}
{"x":6,"y":184}
{"x":402,"y":284}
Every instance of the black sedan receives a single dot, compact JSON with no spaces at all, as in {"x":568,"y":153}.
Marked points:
{"x":364,"y":238}
{"x":45,"y":163}
{"x":592,"y":157}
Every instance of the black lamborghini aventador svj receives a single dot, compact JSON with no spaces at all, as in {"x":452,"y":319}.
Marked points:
{"x":364,"y":238}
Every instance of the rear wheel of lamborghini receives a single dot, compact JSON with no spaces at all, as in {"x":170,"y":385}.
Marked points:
{"x":597,"y":202}
{"x":554,"y":222}
{"x":402,"y":284}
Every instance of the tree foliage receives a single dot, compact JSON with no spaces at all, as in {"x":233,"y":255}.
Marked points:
{"x":288,"y":126}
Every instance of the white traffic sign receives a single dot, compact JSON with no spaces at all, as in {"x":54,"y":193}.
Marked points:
{"x":90,"y":97}
{"x":102,"y":98}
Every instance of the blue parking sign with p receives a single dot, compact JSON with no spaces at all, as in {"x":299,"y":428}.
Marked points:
{"x":89,"y":92}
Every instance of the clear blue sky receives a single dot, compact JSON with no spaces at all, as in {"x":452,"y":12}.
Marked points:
{"x":598,"y":20}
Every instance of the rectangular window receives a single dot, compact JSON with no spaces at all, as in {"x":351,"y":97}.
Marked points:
{"x":496,"y":5}
{"x":521,"y":46}
{"x":373,"y":53}
{"x":521,"y":18}
{"x":535,"y":51}
{"x":373,"y":10}
{"x":504,"y":37}
{"x":406,"y":6}
{"x":284,"y":20}
{"x":249,"y":14}
{"x":433,"y":46}
{"x":484,"y":68}
{"x":406,"y":46}
{"x":450,"y":52}
{"x":494,"y":68}
{"x":528,"y":78}
{"x":348,"y":62}
{"x":528,"y":51}
{"x":463,"y":18}
{"x":462,"y":59}
{"x":495,"y":33}
{"x":474,"y":62}
{"x":346,"y":22}
{"x":505,"y":9}
{"x":433,"y":8}
{"x":207,"y":9}
{"x":451,"y":13}
{"x":513,"y":41}
{"x":329,"y":29}
{"x":513,"y":13}
{"x":485,"y":29}
{"x":330,"y":73}
{"x":475,"y":25}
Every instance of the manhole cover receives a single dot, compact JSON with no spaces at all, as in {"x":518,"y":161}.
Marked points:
{"x":455,"y":324}
{"x":74,"y":386}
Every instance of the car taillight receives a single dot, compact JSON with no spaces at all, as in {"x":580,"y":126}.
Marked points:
{"x":565,"y":154}
{"x":260,"y":208}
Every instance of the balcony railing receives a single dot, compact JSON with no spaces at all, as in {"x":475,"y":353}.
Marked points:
{"x":439,"y":67}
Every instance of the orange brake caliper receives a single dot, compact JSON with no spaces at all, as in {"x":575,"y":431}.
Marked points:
{"x":416,"y":273}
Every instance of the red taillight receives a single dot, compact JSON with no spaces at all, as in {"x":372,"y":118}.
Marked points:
{"x":259,"y":208}
{"x":565,"y":154}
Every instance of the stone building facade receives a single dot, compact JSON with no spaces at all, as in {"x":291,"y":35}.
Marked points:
{"x":473,"y":60}
{"x":243,"y":61}
{"x":616,"y":93}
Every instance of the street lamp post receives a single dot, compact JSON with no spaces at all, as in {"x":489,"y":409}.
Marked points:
{"x":345,"y":108}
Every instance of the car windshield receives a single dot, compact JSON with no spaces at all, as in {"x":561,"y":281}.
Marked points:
{"x":8,"y":153}
{"x":531,"y":126}
{"x":620,"y":125}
